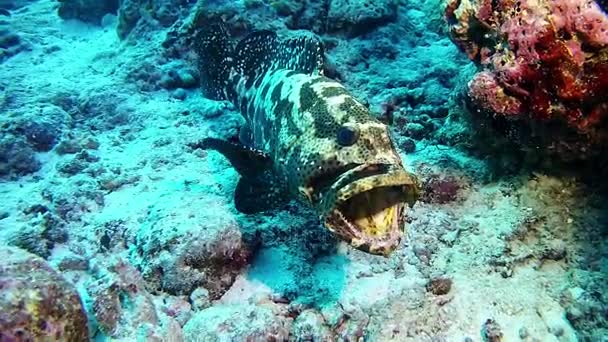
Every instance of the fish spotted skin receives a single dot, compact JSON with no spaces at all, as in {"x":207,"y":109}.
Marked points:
{"x":323,"y":145}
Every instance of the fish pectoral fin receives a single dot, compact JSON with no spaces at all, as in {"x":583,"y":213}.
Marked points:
{"x":247,"y":161}
{"x":245,"y":135}
{"x":258,"y":194}
{"x":258,"y":189}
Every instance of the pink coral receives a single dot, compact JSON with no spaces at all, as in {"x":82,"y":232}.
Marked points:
{"x":542,"y":60}
{"x":485,"y":89}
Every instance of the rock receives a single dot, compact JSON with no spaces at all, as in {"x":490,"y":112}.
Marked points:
{"x":408,"y":145}
{"x":179,"y":94}
{"x":491,"y":331}
{"x":199,"y":299}
{"x":212,"y":264}
{"x":41,"y":233}
{"x":415,"y":130}
{"x":441,"y":188}
{"x":128,"y":16}
{"x":155,"y":13}
{"x":77,"y":164}
{"x":36,"y":303}
{"x":89,"y":11}
{"x":14,"y":4}
{"x":73,"y":262}
{"x":178,"y":76}
{"x":439,"y":286}
{"x":10,"y":43}
{"x":555,"y":250}
{"x":238,"y":323}
{"x":69,"y":146}
{"x":355,"y":17}
{"x":523,"y":333}
{"x":42,"y":134}
{"x":119,"y":300}
{"x":310,"y":326}
{"x":17,"y":158}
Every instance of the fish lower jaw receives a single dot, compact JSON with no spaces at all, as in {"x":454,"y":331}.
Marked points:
{"x":348,"y":231}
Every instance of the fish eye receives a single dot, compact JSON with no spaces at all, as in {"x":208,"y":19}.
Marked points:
{"x":347,"y":135}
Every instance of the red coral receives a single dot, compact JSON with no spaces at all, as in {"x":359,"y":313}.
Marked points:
{"x":542,"y":60}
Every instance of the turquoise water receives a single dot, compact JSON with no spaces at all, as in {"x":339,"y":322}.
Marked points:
{"x":160,"y":181}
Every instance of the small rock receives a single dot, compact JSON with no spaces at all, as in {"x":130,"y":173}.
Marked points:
{"x":556,"y":250}
{"x":199,"y":299}
{"x":179,"y":94}
{"x":77,"y":164}
{"x":523,"y":333}
{"x":70,"y":146}
{"x":310,"y":326}
{"x":408,"y":145}
{"x":90,"y":143}
{"x":73,"y":263}
{"x":186,"y":79}
{"x":439,"y":286}
{"x":415,"y":130}
{"x":491,"y":331}
{"x":556,"y":330}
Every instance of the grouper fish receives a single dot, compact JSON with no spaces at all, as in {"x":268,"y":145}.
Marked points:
{"x":305,"y":137}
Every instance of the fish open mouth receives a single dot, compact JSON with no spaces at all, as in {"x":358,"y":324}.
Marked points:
{"x":365,"y":206}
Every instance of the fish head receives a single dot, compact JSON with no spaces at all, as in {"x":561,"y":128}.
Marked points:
{"x":361,"y":189}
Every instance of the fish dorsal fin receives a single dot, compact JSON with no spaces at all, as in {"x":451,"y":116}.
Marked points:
{"x":261,"y":51}
{"x":259,"y":189}
{"x":215,"y":50}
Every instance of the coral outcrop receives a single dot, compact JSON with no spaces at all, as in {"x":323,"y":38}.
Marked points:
{"x":36,"y":303}
{"x":543,"y":66}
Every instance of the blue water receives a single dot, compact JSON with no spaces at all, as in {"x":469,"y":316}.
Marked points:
{"x":113,"y":214}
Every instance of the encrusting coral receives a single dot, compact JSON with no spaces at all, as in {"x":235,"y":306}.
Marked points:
{"x":542,"y":62}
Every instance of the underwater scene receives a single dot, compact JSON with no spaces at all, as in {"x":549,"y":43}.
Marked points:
{"x":304,"y":170}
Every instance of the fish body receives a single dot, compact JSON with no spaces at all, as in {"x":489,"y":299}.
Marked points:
{"x":306,"y":137}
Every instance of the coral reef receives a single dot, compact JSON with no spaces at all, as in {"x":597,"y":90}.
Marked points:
{"x":36,"y":303}
{"x":544,"y":66}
